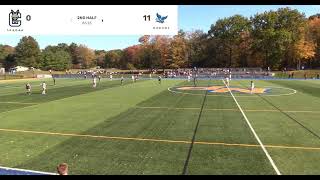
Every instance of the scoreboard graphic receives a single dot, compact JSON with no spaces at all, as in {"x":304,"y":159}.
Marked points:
{"x":89,"y":20}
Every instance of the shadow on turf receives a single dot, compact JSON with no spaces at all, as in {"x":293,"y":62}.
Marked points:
{"x":56,"y":94}
{"x":62,"y":152}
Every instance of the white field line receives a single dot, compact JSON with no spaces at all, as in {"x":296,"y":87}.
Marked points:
{"x":16,"y":169}
{"x":254,"y":133}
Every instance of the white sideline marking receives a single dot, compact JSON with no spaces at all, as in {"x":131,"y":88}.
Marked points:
{"x":254,"y":133}
{"x":16,"y":169}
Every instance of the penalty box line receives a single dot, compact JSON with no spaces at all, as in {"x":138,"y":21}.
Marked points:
{"x":254,"y":132}
{"x":160,"y":140}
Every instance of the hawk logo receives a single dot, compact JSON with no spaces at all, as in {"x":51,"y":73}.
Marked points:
{"x":160,"y":19}
{"x":223,"y":89}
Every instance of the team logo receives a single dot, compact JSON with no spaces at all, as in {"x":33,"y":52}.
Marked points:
{"x":223,"y":89}
{"x":160,"y":19}
{"x":14,"y":18}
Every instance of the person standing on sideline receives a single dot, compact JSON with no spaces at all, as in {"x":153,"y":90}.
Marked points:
{"x":62,"y":169}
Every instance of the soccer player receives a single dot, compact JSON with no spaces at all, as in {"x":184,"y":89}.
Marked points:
{"x":122,"y":80}
{"x":189,"y":78}
{"x":85,"y":76}
{"x":28,"y":88}
{"x":99,"y":77}
{"x":111,"y":77}
{"x":252,"y":87}
{"x":54,"y":80}
{"x":159,"y":79}
{"x":133,"y":78}
{"x":228,"y":81}
{"x":94,"y":83}
{"x":44,"y":87}
{"x":150,"y":75}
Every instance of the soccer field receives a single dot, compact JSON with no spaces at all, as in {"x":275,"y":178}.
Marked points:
{"x":168,"y":128}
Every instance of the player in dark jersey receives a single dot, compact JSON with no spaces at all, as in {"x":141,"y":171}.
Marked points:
{"x":28,"y":88}
{"x":122,"y":80}
{"x":159,"y":79}
{"x":54,"y":80}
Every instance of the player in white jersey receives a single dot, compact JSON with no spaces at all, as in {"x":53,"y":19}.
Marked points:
{"x":44,"y":88}
{"x":150,"y":75}
{"x":94,"y":83}
{"x":122,"y":79}
{"x":228,"y":81}
{"x":133,"y":78}
{"x":111,"y":77}
{"x":252,"y":87}
{"x":189,"y":78}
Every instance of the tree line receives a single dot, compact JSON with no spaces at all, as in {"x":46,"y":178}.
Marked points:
{"x":283,"y":38}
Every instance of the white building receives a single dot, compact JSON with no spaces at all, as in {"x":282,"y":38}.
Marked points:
{"x":19,"y":69}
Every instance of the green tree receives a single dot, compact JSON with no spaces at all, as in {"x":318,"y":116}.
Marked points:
{"x":113,"y":58}
{"x":228,"y":33}
{"x":197,"y":45}
{"x":56,"y":58}
{"x":5,"y":51}
{"x":72,"y":50}
{"x":275,"y":32}
{"x":150,"y":57}
{"x":28,"y":52}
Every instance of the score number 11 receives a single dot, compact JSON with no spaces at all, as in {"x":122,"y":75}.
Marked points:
{"x":146,"y":17}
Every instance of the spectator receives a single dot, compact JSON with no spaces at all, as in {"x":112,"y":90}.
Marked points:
{"x":292,"y":75}
{"x":62,"y":169}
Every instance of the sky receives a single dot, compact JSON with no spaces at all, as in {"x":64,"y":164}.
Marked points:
{"x":190,"y":17}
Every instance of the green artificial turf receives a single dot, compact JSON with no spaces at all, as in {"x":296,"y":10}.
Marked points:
{"x":144,"y":128}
